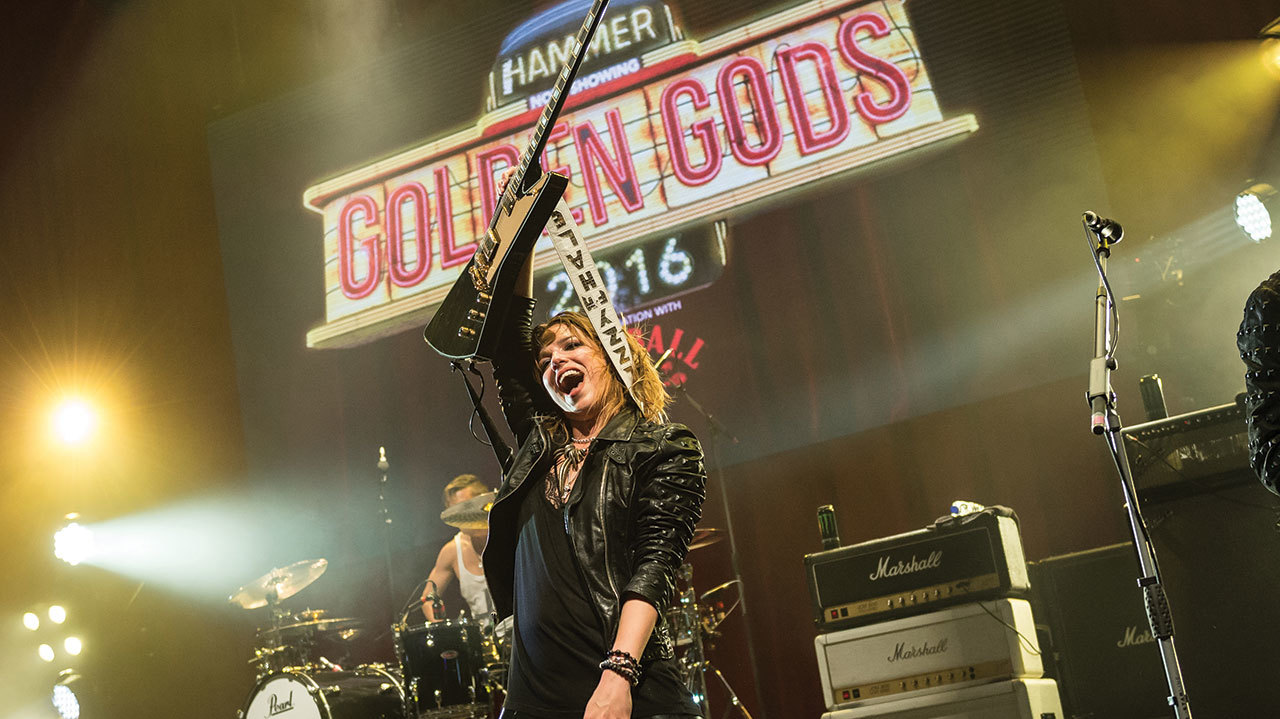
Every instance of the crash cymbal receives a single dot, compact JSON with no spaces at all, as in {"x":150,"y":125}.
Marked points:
{"x":704,"y":537}
{"x":279,"y":584}
{"x":470,"y":513}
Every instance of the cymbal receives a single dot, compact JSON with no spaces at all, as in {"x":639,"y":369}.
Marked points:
{"x":705,"y":537}
{"x":718,"y":595}
{"x":332,"y":624}
{"x":279,"y":584}
{"x":718,"y":603}
{"x":470,"y":513}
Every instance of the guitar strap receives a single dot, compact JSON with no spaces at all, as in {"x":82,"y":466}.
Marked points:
{"x":567,"y":238}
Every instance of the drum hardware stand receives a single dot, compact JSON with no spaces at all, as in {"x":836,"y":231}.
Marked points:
{"x":694,"y":662}
{"x":718,"y":431}
{"x":1101,"y":233}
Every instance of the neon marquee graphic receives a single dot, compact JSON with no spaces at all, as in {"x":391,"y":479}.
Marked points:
{"x":701,"y":130}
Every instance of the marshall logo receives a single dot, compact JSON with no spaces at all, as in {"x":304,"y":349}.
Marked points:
{"x":902,"y":651}
{"x":280,"y":707}
{"x":885,"y":569}
{"x":1134,"y":636}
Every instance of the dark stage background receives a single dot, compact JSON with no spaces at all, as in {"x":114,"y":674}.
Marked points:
{"x":886,"y":341}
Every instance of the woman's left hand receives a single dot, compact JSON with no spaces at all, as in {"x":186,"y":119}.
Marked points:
{"x":612,"y":698}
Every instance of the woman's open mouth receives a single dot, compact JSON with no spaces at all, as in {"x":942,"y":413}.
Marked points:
{"x":569,"y":380}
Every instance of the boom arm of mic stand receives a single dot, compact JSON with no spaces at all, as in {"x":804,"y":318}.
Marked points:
{"x":716,"y":427}
{"x":500,"y":448}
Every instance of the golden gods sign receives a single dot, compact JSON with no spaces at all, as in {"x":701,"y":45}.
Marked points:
{"x":683,"y":132}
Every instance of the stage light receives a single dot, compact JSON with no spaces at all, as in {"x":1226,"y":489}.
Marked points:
{"x":46,"y":652}
{"x":74,"y":420}
{"x":66,"y":702}
{"x":57,"y":614}
{"x":73,"y":543}
{"x":1252,"y":211}
{"x":31,"y":621}
{"x":73,"y":645}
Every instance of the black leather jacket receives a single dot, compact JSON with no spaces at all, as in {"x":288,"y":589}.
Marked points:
{"x":633,"y":509}
{"x":1259,"y":344}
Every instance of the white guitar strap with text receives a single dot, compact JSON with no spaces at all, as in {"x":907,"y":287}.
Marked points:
{"x":567,"y":238}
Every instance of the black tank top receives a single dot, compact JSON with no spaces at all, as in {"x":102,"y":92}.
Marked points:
{"x":558,"y":640}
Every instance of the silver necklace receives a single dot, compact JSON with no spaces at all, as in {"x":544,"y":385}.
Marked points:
{"x":569,"y":458}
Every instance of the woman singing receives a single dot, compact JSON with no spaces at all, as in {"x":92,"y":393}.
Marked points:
{"x":589,"y":526}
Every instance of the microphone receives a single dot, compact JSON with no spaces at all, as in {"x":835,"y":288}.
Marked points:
{"x":1107,"y":229}
{"x":437,"y":604}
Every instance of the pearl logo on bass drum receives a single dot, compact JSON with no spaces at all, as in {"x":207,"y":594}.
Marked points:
{"x":280,"y":707}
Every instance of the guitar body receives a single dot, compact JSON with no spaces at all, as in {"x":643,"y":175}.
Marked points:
{"x":467,"y":323}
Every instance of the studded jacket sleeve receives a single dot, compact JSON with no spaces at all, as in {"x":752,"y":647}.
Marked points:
{"x":1259,"y":344}
{"x":669,"y":495}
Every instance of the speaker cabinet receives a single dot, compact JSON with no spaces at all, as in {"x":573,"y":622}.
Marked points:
{"x":1218,"y":548}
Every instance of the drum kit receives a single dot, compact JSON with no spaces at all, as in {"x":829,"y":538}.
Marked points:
{"x":445,"y":670}
{"x":451,"y":669}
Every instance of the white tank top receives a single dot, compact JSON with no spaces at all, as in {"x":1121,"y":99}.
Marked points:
{"x":472,"y":586}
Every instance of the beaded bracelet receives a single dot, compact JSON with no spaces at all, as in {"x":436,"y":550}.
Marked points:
{"x":623,"y":664}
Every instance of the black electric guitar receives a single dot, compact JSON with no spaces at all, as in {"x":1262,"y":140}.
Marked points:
{"x":467,"y":323}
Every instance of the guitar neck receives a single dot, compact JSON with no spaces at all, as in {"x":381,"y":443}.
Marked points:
{"x":559,"y":92}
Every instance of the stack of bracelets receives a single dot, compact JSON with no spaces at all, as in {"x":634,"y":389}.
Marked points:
{"x":620,"y":662}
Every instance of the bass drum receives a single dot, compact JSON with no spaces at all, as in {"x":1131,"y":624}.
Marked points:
{"x":368,"y":692}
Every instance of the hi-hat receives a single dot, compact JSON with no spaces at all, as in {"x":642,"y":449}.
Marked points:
{"x":279,"y":584}
{"x":470,"y":513}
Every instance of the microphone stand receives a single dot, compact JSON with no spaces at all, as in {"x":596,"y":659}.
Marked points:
{"x":718,"y":430}
{"x":1105,"y":421}
{"x":500,"y":449}
{"x":383,"y":466}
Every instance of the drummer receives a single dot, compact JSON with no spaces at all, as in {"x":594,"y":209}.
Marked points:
{"x":460,"y":557}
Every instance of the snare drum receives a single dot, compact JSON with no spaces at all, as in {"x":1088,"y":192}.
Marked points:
{"x":446,"y":667}
{"x":368,"y":692}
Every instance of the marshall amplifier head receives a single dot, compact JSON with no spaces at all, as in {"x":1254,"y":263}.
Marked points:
{"x":954,"y":561}
{"x":969,"y":644}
